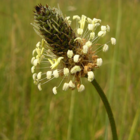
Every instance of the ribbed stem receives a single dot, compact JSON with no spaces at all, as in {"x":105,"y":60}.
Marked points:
{"x":108,"y":109}
{"x":71,"y":115}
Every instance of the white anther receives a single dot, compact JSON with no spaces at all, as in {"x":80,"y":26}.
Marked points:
{"x":107,"y":28}
{"x":113,"y":41}
{"x":67,"y":18}
{"x":48,"y":74}
{"x":75,"y":69}
{"x":105,"y":48}
{"x":66,"y":71}
{"x":32,"y":69}
{"x":89,"y":20}
{"x":76,"y":58}
{"x":101,"y":33}
{"x":79,"y":31}
{"x":76,"y":17}
{"x":92,"y":35}
{"x":95,"y":20}
{"x":33,"y":52}
{"x":65,"y":86}
{"x":34,"y":76}
{"x":35,"y":62}
{"x":99,"y":62}
{"x":90,"y":76}
{"x":69,"y":53}
{"x":85,"y":49}
{"x":91,"y":27}
{"x":81,"y":88}
{"x":56,"y":73}
{"x":38,"y":44}
{"x":32,"y":60}
{"x":71,"y":84}
{"x":82,"y":21}
{"x":39,"y":86}
{"x":54,"y":90}
{"x":39,"y":75}
{"x":103,"y":28}
{"x":88,"y":43}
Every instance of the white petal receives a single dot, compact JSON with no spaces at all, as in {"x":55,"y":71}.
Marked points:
{"x":38,"y":44}
{"x":76,"y":17}
{"x":92,"y":35}
{"x":107,"y":28}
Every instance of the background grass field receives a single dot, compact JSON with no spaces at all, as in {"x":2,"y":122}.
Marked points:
{"x":28,"y":114}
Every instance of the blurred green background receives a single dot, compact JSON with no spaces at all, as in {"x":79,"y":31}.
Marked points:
{"x":28,"y":114}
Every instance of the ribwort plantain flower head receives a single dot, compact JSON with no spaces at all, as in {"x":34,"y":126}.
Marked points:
{"x":65,"y":51}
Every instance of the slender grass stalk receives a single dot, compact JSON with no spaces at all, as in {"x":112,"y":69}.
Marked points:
{"x":71,"y":115}
{"x":134,"y":125}
{"x":113,"y":68}
{"x":108,"y":109}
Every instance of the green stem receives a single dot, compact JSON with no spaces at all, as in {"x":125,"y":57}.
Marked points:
{"x":108,"y":109}
{"x":71,"y":115}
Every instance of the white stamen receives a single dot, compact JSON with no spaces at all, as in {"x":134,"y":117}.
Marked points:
{"x":105,"y":48}
{"x":113,"y":41}
{"x":91,"y":27}
{"x":65,"y":86}
{"x":81,"y":88}
{"x":79,"y":31}
{"x":69,"y":53}
{"x":99,"y":62}
{"x":76,"y":58}
{"x":38,"y":44}
{"x":39,"y":86}
{"x":35,"y":62}
{"x":92,"y":35}
{"x":56,"y":73}
{"x":71,"y":84}
{"x":34,"y":76}
{"x":33,"y":69}
{"x":48,"y":74}
{"x":54,"y":90}
{"x":75,"y":69}
{"x":103,"y":28}
{"x":76,"y":17}
{"x":39,"y":75}
{"x":66,"y":71}
{"x":32,"y":60}
{"x":33,"y":52}
{"x":107,"y":28}
{"x":85,"y":49}
{"x":90,"y":76}
{"x":88,"y":43}
{"x":101,"y":33}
